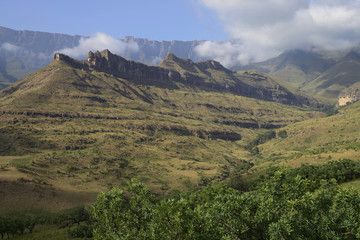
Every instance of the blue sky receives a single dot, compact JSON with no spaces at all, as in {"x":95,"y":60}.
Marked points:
{"x":237,"y":31}
{"x":152,"y":19}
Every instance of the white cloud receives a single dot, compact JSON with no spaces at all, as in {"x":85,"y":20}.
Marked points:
{"x":260,"y":29}
{"x":9,"y":47}
{"x":99,"y":42}
{"x":155,"y":60}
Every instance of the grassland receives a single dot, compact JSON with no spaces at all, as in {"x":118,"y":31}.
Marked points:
{"x":67,"y":134}
{"x":315,"y":141}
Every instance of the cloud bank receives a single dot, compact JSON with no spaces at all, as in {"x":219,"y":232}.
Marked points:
{"x":9,"y":47}
{"x":99,"y":42}
{"x":261,"y":29}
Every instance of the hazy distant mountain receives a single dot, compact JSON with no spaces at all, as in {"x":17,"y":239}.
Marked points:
{"x":22,"y":52}
{"x":297,"y":67}
{"x":331,"y":82}
{"x":172,"y":73}
{"x":153,"y":52}
{"x":323,"y":75}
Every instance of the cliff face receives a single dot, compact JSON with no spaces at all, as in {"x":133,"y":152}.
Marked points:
{"x":32,"y":50}
{"x":105,"y":61}
{"x":152,"y":52}
{"x":176,"y":73}
{"x":349,"y":95}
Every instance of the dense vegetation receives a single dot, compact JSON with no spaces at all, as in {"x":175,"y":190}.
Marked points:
{"x":76,"y":222}
{"x":77,"y":133}
{"x":343,"y":170}
{"x":286,"y":205}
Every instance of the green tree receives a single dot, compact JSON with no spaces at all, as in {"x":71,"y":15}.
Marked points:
{"x":123,"y":215}
{"x":283,"y":206}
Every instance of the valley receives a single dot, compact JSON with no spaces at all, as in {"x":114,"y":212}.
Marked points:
{"x":68,"y":129}
{"x":169,"y":120}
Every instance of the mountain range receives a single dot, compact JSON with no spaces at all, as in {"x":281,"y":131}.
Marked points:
{"x":327,"y":75}
{"x":72,"y":128}
{"x":323,"y":75}
{"x":75,"y":127}
{"x":22,"y":52}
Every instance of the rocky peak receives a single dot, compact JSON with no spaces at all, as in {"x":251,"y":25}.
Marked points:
{"x":61,"y":57}
{"x":171,"y":58}
{"x":105,"y":61}
{"x":212,"y":64}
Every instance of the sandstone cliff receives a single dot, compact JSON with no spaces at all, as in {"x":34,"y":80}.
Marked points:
{"x":349,"y":95}
{"x":177,"y":73}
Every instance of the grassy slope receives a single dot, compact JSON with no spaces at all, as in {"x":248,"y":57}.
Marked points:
{"x":172,"y":140}
{"x":257,"y":84}
{"x":330,"y":83}
{"x":295,"y":67}
{"x":316,"y":141}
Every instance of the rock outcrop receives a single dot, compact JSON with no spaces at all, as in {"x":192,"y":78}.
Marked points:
{"x":349,"y":95}
{"x":175,"y":73}
{"x":105,"y":61}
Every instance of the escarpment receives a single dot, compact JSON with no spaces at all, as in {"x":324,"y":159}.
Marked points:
{"x":178,"y":73}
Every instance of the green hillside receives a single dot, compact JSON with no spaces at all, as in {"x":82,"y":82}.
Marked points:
{"x":69,"y":132}
{"x":296,"y":67}
{"x":315,"y":141}
{"x":74,"y":129}
{"x":342,"y":75}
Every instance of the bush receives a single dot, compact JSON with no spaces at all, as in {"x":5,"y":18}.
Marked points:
{"x":282,"y":134}
{"x":80,"y":231}
{"x":283,"y":206}
{"x":260,"y":139}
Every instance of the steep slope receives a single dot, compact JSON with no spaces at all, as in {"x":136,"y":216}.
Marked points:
{"x":212,"y":75}
{"x":62,"y":83}
{"x":349,"y":95}
{"x":74,"y":128}
{"x":296,"y":67}
{"x":342,"y":75}
{"x":22,"y":52}
{"x":9,"y":68}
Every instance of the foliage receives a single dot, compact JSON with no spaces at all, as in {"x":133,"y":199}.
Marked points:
{"x":343,"y":170}
{"x":282,"y":207}
{"x":80,"y":231}
{"x":282,"y":134}
{"x":330,"y":110}
{"x":120,"y":217}
{"x":17,"y":225}
{"x":260,"y":139}
{"x":75,"y":220}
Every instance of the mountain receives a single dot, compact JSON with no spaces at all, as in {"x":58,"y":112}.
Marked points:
{"x":75,"y":128}
{"x":296,"y":67}
{"x":331,"y":82}
{"x":22,"y":52}
{"x":212,"y":75}
{"x":172,"y":73}
{"x":330,"y":76}
{"x":152,"y":52}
